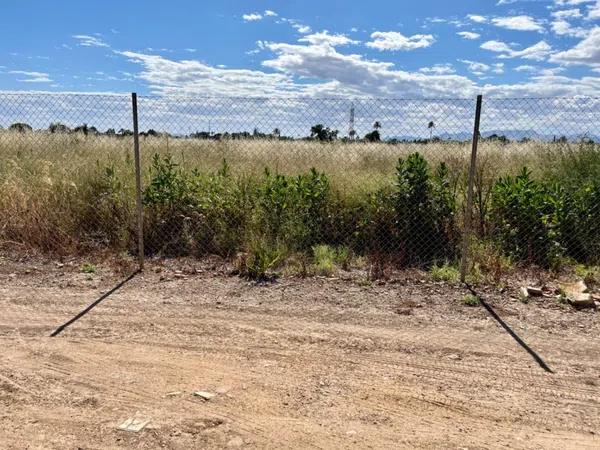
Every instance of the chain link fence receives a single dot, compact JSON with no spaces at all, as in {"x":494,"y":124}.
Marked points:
{"x":304,"y":184}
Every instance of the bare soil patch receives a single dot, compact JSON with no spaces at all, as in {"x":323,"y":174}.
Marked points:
{"x":325,"y":363}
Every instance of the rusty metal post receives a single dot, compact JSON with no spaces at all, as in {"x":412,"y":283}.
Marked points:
{"x":469,"y":208}
{"x":138,"y":182}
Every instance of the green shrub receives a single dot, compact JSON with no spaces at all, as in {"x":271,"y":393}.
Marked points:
{"x":444,"y":272}
{"x":328,"y":259}
{"x":294,"y":207}
{"x":261,"y":260}
{"x":107,"y":216}
{"x":524,"y":216}
{"x":195,"y":213}
{"x":545,"y":222}
{"x":89,"y":268}
{"x":324,"y":260}
{"x":471,"y":300}
{"x":425,"y":210}
{"x":580,"y":222}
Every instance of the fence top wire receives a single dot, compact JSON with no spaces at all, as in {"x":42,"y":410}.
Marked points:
{"x":287,"y":97}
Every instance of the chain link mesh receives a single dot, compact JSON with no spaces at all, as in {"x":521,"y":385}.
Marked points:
{"x":66,"y":172}
{"x":302,"y":180}
{"x":538,"y":179}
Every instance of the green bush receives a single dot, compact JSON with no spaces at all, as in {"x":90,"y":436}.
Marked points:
{"x":294,"y":207}
{"x":543,"y":222}
{"x":195,"y":213}
{"x":524,"y":214}
{"x":425,"y":210}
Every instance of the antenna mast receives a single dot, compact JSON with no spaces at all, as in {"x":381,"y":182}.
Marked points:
{"x":351,"y":131}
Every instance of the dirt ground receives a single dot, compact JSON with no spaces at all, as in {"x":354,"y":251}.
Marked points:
{"x":316,"y":363}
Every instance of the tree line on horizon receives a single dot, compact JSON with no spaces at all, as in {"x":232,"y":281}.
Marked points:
{"x":318,"y":132}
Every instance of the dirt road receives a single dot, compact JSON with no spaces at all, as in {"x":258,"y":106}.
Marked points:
{"x":295,"y":364}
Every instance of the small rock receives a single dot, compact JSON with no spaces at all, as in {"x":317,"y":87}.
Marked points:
{"x":351,"y":433}
{"x":580,"y":300}
{"x":134,"y":424}
{"x":535,"y":291}
{"x":524,"y":292}
{"x":204,"y":395}
{"x":173,"y":394}
{"x":403,"y":311}
{"x":577,"y":294}
{"x":236,"y":442}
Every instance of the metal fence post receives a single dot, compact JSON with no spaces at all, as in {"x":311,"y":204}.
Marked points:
{"x":469,"y":208}
{"x":138,"y":182}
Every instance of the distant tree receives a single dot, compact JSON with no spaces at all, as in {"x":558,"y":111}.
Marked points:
{"x":377,"y":125}
{"x":58,"y":127}
{"x":111,"y":132}
{"x":431,"y":126}
{"x":200,"y":135}
{"x":125,"y":132}
{"x":20,"y":127}
{"x":323,"y":133}
{"x":82,"y":129}
{"x":352,"y":134}
{"x":277,"y":132}
{"x":498,"y":138}
{"x":151,"y":132}
{"x":373,"y":136}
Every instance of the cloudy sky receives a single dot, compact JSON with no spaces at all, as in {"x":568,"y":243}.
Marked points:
{"x":389,"y":48}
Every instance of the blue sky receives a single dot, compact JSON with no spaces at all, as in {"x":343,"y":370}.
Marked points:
{"x":326,"y":48}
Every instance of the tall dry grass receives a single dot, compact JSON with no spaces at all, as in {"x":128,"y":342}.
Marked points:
{"x":65,"y":193}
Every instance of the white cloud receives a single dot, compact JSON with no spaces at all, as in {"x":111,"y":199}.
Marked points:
{"x":89,"y":41}
{"x":166,"y":76}
{"x":594,"y":11}
{"x":469,"y":35}
{"x":302,"y":29}
{"x":298,"y":26}
{"x":526,"y":68}
{"x":564,"y":28}
{"x":438,"y":69}
{"x":571,"y":2}
{"x":392,"y":40}
{"x":586,"y":52}
{"x":324,"y":38}
{"x":568,"y":14}
{"x":32,"y":77}
{"x":269,"y":13}
{"x":519,"y":23}
{"x":537,"y":52}
{"x":252,"y":17}
{"x":479,"y":68}
{"x":333,"y":73}
{"x":496,"y":46}
{"x":477,"y":18}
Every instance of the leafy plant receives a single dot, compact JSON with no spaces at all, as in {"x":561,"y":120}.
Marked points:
{"x":89,"y":268}
{"x":261,"y":259}
{"x":444,"y":272}
{"x":471,"y":300}
{"x":424,"y":211}
{"x":524,"y":214}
